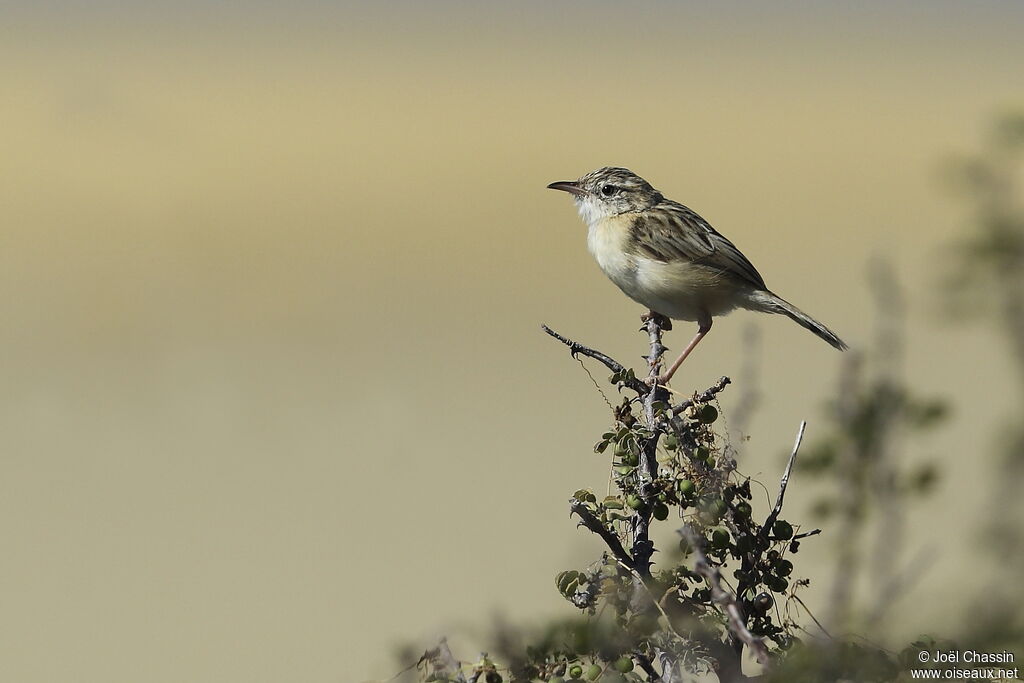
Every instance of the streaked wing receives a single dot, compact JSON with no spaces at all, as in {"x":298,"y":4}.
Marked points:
{"x":671,"y":231}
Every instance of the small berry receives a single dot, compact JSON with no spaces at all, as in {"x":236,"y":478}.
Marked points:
{"x":624,"y":664}
{"x":783,"y":529}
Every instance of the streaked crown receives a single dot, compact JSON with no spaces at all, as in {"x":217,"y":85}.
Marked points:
{"x":615,"y":190}
{"x":611,"y":180}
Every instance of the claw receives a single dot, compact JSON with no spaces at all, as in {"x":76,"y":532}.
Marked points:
{"x":663,"y":322}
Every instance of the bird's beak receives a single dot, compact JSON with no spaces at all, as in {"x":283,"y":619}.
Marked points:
{"x":570,"y":186}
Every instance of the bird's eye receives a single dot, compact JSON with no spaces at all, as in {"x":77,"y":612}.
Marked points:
{"x":608,"y":190}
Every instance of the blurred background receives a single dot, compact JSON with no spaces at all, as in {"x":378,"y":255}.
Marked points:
{"x":275,"y":397}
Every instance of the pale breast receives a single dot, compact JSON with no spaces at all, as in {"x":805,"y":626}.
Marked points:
{"x":679,"y":289}
{"x":607,"y":240}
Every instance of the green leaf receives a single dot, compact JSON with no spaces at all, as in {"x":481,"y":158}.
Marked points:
{"x":585,"y":496}
{"x":567,"y":581}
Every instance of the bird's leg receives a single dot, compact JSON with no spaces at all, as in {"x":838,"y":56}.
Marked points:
{"x":702,"y":329}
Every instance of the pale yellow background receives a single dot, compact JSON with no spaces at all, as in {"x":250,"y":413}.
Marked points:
{"x":273,"y":395}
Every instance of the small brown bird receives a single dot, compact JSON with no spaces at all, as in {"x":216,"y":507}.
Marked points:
{"x":667,"y":258}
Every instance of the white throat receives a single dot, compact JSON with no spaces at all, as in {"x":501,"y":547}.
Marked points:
{"x":592,"y":210}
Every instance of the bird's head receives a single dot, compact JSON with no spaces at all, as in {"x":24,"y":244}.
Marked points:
{"x":608,"y":192}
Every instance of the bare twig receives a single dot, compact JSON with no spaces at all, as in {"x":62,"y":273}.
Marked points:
{"x":727,"y":601}
{"x":751,"y":559}
{"x":703,"y":397}
{"x":805,"y":534}
{"x":811,"y":615}
{"x":774,"y":515}
{"x":576,"y":348}
{"x":591,"y":522}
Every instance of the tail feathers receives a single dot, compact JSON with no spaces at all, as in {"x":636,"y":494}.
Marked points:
{"x":770,"y":303}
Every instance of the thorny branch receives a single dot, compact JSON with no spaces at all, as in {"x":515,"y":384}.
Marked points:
{"x":703,"y":397}
{"x":576,"y":348}
{"x":643,"y":548}
{"x":591,"y":522}
{"x":737,"y":622}
{"x":637,"y":559}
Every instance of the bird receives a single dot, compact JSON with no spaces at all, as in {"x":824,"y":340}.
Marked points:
{"x":664,"y":256}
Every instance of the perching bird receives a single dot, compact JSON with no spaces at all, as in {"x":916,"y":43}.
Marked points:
{"x":667,"y":258}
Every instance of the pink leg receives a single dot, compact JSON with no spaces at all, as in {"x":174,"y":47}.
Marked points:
{"x":703,"y":327}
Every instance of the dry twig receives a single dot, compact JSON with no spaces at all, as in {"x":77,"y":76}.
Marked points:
{"x":737,"y":622}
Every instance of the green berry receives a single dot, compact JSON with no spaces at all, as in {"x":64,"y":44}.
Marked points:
{"x":593,"y":671}
{"x":660,"y":512}
{"x":712,"y":509}
{"x":719,"y":538}
{"x":623,"y":664}
{"x":785,"y":568}
{"x":686,"y":487}
{"x":575,"y":671}
{"x":763,"y":602}
{"x":707,"y":414}
{"x":782,"y":529}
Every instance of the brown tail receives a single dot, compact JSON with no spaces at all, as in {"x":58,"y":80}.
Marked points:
{"x":771,"y":303}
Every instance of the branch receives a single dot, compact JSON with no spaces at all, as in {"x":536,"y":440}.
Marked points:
{"x":576,"y":348}
{"x":643,"y":548}
{"x":812,"y":532}
{"x":591,"y":522}
{"x":751,"y":559}
{"x":737,"y":623}
{"x":703,"y":397}
{"x":774,"y":515}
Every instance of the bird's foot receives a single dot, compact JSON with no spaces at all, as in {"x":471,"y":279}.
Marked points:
{"x":663,"y":322}
{"x":659,"y":380}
